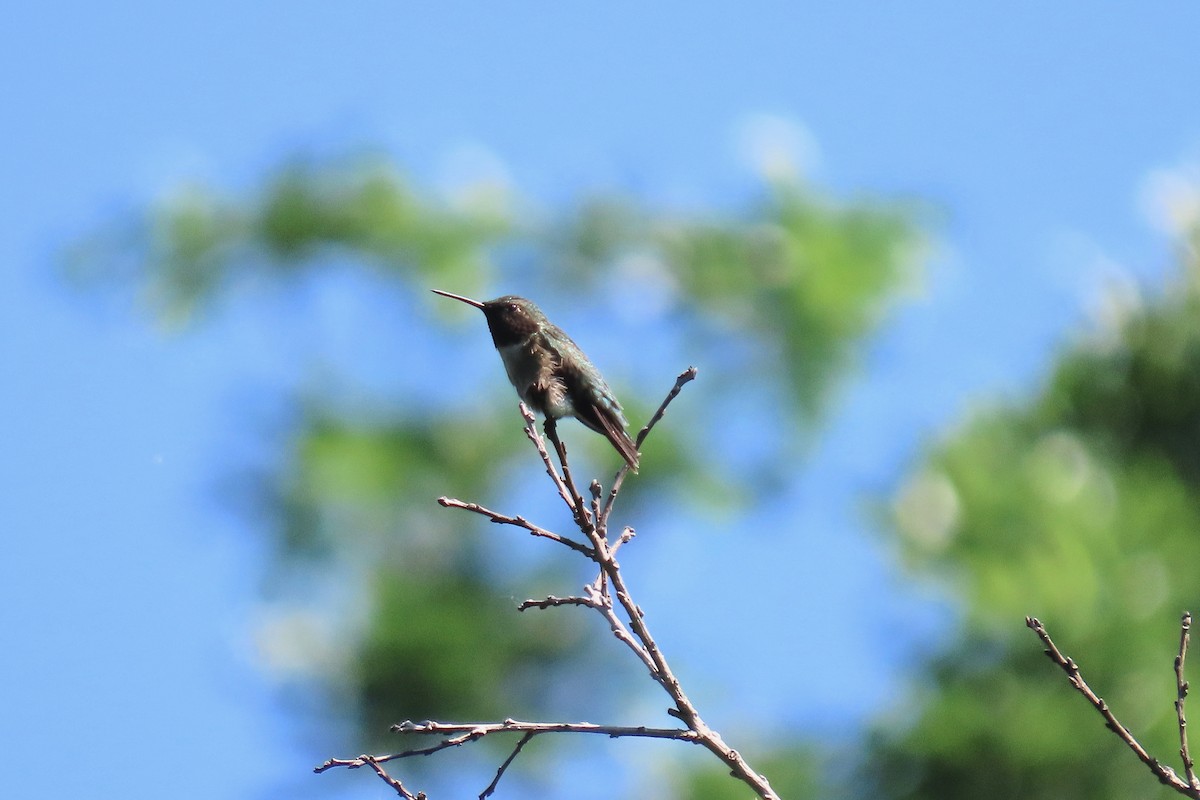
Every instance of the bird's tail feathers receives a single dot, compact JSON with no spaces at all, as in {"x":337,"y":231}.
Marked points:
{"x":620,"y":440}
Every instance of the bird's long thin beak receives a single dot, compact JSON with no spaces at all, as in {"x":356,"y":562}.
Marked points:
{"x":466,"y":300}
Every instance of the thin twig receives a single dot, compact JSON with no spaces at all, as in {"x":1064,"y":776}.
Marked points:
{"x":553,"y":601}
{"x":1181,"y":685}
{"x":520,"y":522}
{"x":395,"y":783}
{"x":596,"y":491}
{"x":460,"y":733}
{"x":601,"y":600}
{"x":535,"y":437}
{"x":681,"y":380}
{"x":477,"y":730}
{"x":626,"y":536}
{"x":445,"y":744}
{"x":579,"y":511}
{"x":375,"y":763}
{"x":491,"y":787}
{"x":1165,"y":774}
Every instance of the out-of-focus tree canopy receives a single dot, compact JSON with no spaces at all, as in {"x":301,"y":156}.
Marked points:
{"x":776,"y":298}
{"x":1080,"y":506}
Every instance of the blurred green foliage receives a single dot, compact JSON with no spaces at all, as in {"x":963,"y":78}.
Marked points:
{"x":811,"y":279}
{"x":778,"y":298}
{"x":1081,"y":507}
{"x":186,"y":249}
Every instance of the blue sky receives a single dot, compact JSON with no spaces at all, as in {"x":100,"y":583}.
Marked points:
{"x":128,"y":593}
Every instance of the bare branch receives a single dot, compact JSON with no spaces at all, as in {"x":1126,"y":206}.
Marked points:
{"x":627,"y":535}
{"x":1165,"y":774}
{"x":460,"y":733}
{"x":491,"y":787}
{"x":467,"y":732}
{"x":520,"y":522}
{"x":607,"y":593}
{"x":477,"y":730}
{"x":662,"y":673}
{"x":683,"y":378}
{"x":596,"y":490}
{"x":556,"y":601}
{"x":601,"y":600}
{"x":394,"y":782}
{"x":535,"y":437}
{"x":455,"y":741}
{"x":374,"y":762}
{"x":583,"y":517}
{"x":1185,"y":627}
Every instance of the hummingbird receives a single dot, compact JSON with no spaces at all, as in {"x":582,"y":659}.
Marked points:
{"x":549,"y":371}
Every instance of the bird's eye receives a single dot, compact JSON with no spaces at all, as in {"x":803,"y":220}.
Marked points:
{"x":514,"y":307}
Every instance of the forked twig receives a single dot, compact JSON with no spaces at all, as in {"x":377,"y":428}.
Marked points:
{"x":1165,"y":774}
{"x":460,"y":733}
{"x":375,"y":763}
